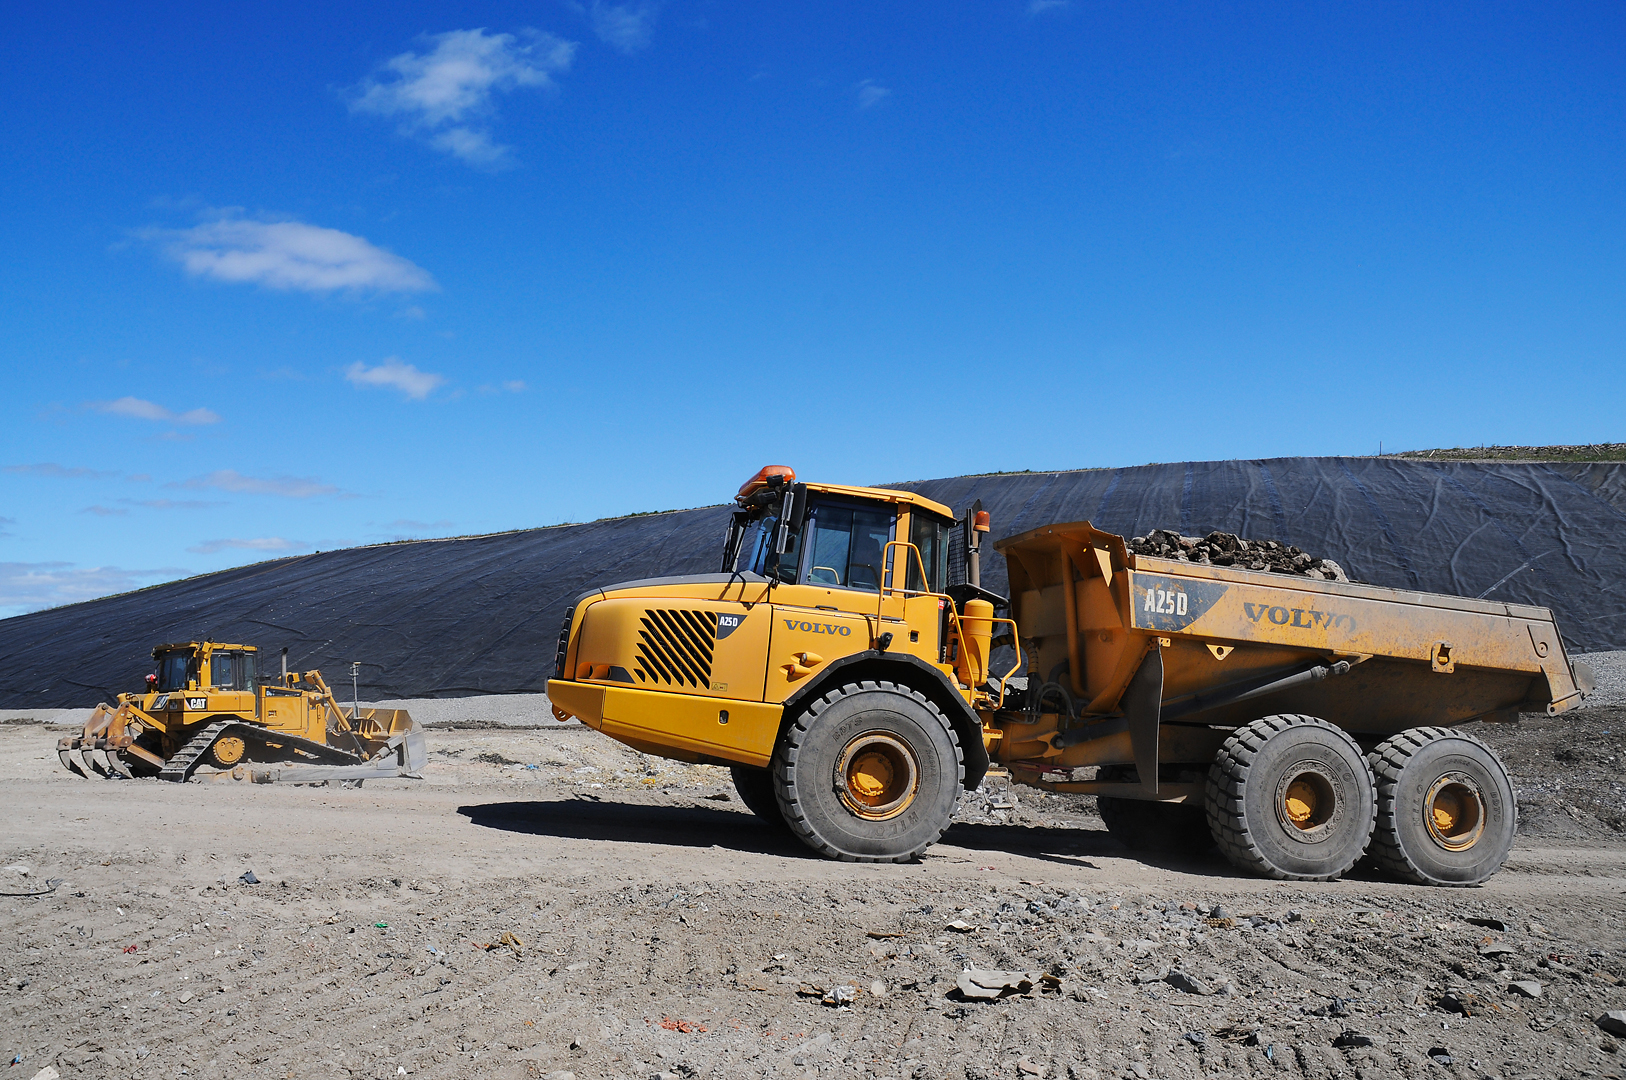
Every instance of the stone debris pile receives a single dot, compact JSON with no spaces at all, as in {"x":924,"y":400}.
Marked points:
{"x":1229,"y":549}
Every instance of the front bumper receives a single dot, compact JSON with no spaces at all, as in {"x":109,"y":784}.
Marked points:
{"x":681,"y":726}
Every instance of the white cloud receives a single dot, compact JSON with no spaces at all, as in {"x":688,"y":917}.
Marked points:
{"x":51,"y":470}
{"x":508,"y":386}
{"x":173,"y":504}
{"x":415,"y":384}
{"x":148,"y":410}
{"x":290,"y":255}
{"x":444,"y":94}
{"x":869,"y":93}
{"x":26,"y":587}
{"x":290,"y":487}
{"x":264,"y":543}
{"x":627,"y":27}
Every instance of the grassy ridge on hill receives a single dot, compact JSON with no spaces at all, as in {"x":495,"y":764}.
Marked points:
{"x":1590,"y":452}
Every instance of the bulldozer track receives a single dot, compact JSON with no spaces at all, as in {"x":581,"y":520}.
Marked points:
{"x":180,"y":767}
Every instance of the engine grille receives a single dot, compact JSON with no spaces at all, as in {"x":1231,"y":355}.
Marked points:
{"x":675,"y":647}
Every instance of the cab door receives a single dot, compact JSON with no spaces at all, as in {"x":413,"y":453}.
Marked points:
{"x":832,"y":603}
{"x":225,"y":690}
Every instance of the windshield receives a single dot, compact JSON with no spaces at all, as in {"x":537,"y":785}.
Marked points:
{"x":764,"y":560}
{"x":849,"y":545}
{"x":173,"y":671}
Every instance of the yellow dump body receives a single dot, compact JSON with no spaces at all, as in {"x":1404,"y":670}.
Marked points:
{"x":1092,"y":614}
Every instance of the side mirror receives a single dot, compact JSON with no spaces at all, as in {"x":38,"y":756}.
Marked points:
{"x":792,"y":516}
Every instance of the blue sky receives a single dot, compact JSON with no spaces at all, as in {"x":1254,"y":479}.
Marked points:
{"x":280,"y":281}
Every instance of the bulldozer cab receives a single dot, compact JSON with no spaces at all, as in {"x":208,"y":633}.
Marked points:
{"x":206,"y":665}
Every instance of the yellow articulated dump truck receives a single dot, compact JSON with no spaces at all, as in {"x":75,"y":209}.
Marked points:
{"x":207,"y":705}
{"x":848,"y":666}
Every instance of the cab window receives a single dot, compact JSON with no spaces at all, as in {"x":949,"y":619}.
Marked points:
{"x":174,"y":669}
{"x":847,"y":545}
{"x":769,"y":563}
{"x":931,"y":536}
{"x":246,"y":674}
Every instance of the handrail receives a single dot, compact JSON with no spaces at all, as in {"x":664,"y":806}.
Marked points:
{"x":953,"y":611}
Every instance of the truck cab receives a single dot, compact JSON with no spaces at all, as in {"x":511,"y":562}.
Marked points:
{"x":825,"y":593}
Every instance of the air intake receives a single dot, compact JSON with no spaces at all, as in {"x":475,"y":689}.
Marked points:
{"x":674,"y":647}
{"x":564,"y":645}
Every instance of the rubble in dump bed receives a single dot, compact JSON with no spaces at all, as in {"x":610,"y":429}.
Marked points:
{"x":1229,"y":549}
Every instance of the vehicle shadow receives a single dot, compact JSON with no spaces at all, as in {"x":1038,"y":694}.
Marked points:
{"x":1075,"y":847}
{"x":637,"y":823}
{"x":704,"y":827}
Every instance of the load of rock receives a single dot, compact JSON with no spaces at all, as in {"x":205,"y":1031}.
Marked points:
{"x":1229,"y":549}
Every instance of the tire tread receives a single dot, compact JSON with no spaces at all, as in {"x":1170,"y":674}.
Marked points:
{"x":790,"y":746}
{"x":1227,"y":778}
{"x":1388,"y":760}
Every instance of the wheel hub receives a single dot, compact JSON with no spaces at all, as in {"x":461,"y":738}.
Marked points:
{"x":1307,"y":803}
{"x":1454,"y":812}
{"x":877,"y":775}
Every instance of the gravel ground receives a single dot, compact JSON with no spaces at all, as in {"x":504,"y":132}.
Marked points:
{"x":495,"y":710}
{"x":1610,"y":668}
{"x":657,"y":929}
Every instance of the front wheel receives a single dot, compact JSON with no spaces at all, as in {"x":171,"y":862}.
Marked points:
{"x":1291,"y":797}
{"x":871,"y":772}
{"x":1446,"y":813}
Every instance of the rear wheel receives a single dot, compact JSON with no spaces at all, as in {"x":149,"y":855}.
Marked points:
{"x":871,"y":772}
{"x":1446,"y":813}
{"x":755,"y":788}
{"x":1158,"y":827}
{"x":1291,"y":797}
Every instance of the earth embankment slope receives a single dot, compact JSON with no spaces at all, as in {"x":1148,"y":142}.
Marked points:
{"x":481,"y":615}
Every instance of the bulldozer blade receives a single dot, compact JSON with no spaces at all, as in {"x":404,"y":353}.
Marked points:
{"x":70,"y":760}
{"x":415,"y":752}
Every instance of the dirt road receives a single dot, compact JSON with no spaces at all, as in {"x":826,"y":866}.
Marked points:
{"x":653,"y":926}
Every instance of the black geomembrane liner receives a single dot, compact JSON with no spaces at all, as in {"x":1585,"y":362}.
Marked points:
{"x":449,"y":618}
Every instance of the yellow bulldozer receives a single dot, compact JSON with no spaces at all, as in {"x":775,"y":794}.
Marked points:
{"x":206,"y":705}
{"x":855,"y":684}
